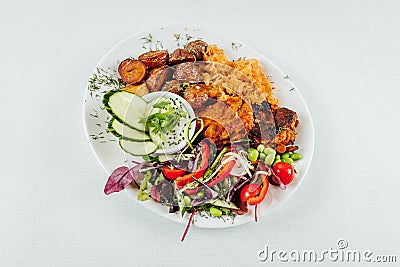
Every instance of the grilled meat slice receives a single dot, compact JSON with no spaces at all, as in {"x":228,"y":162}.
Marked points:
{"x":226,"y":116}
{"x":223,"y":124}
{"x":285,"y":118}
{"x":275,"y":129}
{"x":286,"y":121}
{"x":264,"y":129}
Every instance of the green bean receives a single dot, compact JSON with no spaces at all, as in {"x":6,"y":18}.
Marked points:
{"x":215,"y":212}
{"x":253,"y":154}
{"x":285,"y":155}
{"x":288,"y":160}
{"x":277,"y":157}
{"x":296,"y":156}
{"x":260,"y":148}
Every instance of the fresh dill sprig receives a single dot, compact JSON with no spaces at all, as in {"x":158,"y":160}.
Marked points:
{"x":182,"y":40}
{"x":97,"y":136}
{"x":177,"y":37}
{"x":236,"y":46}
{"x":102,"y":78}
{"x":188,"y":37}
{"x":150,"y":44}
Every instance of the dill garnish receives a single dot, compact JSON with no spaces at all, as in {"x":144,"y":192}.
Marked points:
{"x":183,"y":40}
{"x":150,"y":44}
{"x":97,"y":136}
{"x":177,"y":37}
{"x":236,"y":46}
{"x":188,"y":37}
{"x":103,"y":78}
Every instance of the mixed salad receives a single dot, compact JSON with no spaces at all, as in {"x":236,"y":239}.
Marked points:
{"x":201,"y":175}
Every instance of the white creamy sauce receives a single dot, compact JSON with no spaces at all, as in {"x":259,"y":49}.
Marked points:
{"x":177,"y":134}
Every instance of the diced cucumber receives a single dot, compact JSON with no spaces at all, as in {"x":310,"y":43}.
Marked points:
{"x":126,"y":107}
{"x":138,"y":148}
{"x":122,"y":131}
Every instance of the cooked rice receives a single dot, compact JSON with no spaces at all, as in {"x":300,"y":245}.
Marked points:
{"x":246,"y":76}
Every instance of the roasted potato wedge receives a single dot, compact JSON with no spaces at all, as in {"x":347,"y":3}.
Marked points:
{"x":154,"y":59}
{"x":132,"y":71}
{"x":139,"y":90}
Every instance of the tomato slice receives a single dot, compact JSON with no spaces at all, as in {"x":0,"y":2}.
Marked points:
{"x":172,"y":173}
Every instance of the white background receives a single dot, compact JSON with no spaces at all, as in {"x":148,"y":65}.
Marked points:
{"x":344,"y":56}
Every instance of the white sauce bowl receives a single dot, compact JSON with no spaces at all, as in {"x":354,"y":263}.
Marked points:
{"x":164,"y":94}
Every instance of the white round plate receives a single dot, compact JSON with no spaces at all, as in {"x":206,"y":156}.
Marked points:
{"x":110,"y":155}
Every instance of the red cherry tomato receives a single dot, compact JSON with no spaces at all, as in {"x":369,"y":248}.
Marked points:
{"x":284,"y":172}
{"x":249,"y":191}
{"x":172,"y":173}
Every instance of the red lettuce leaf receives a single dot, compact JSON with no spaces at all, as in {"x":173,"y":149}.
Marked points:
{"x":118,"y":180}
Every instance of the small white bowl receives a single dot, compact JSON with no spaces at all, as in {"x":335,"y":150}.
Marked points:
{"x":164,"y":94}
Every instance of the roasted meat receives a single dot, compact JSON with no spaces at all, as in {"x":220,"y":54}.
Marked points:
{"x":197,"y":48}
{"x":181,"y":55}
{"x":276,"y":129}
{"x":157,"y":77}
{"x":264,"y":129}
{"x":226,"y":116}
{"x":188,"y":72}
{"x":196,"y":98}
{"x":286,"y":121}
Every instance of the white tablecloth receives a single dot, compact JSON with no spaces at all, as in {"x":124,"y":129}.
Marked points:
{"x":344,"y":56}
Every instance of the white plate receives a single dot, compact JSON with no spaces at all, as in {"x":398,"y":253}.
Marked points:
{"x":110,"y":155}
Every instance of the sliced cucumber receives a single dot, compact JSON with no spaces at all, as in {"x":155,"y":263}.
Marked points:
{"x":138,"y":148}
{"x":122,"y":131}
{"x":127,"y":108}
{"x":155,"y":137}
{"x":224,"y":204}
